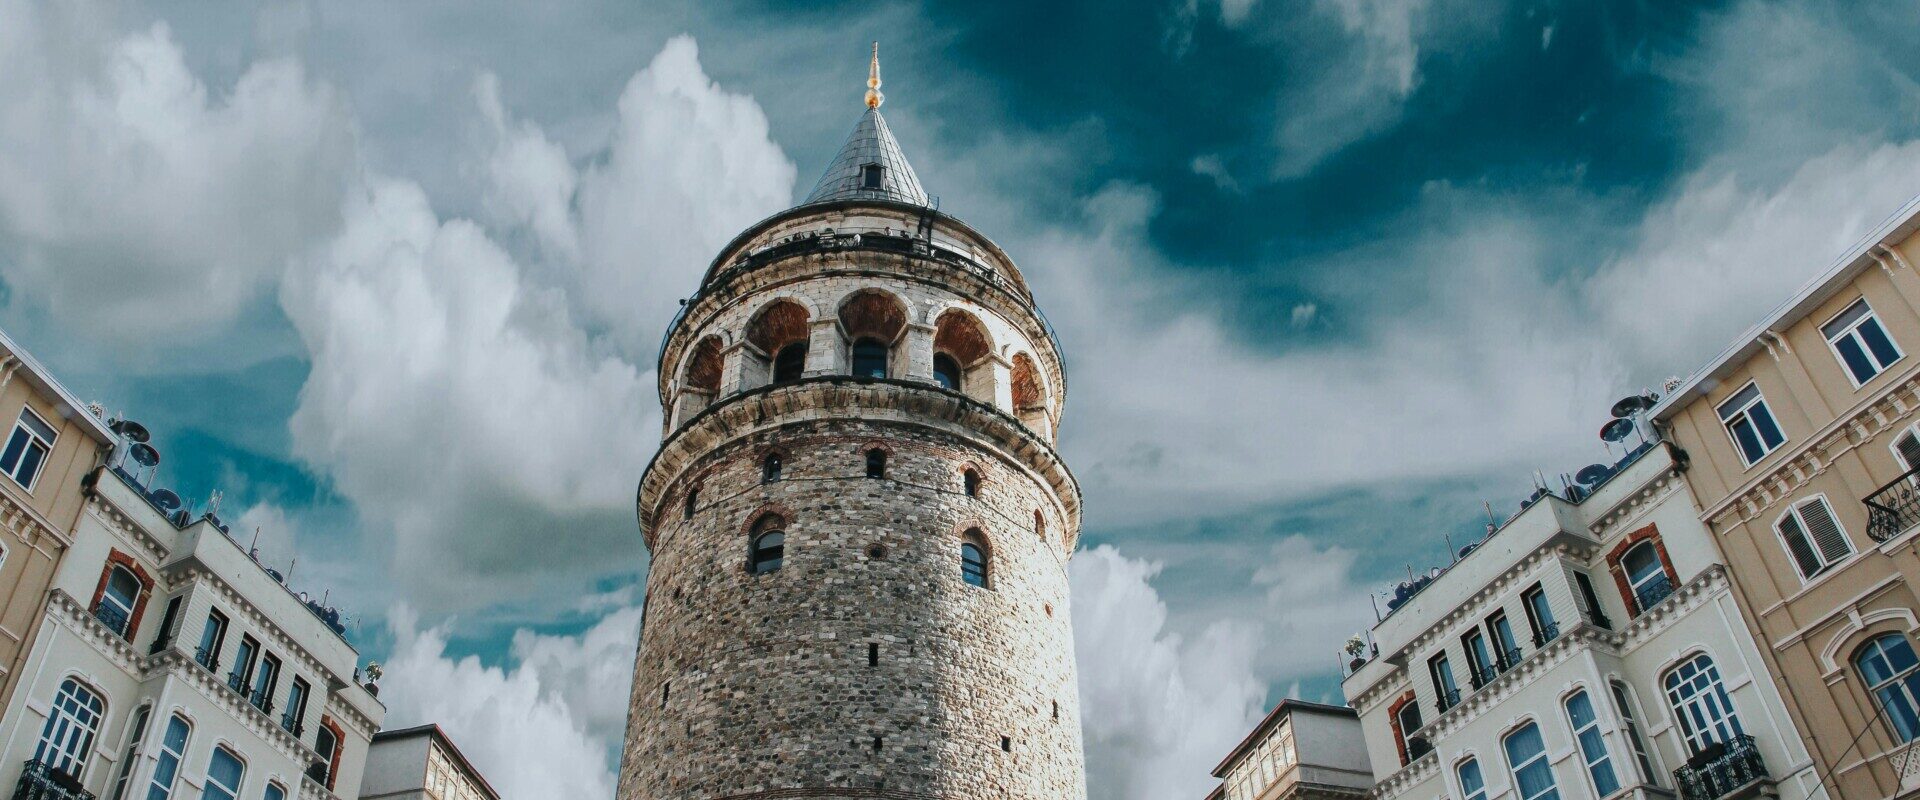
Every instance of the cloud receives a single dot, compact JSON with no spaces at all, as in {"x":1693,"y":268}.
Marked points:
{"x":1312,"y":603}
{"x":1234,"y":12}
{"x":592,"y":672}
{"x":520,"y":729}
{"x":136,"y":202}
{"x":1155,"y":727}
{"x":528,"y":179}
{"x":1362,"y":68}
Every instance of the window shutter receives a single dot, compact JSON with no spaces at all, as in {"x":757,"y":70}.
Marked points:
{"x":1909,"y":449}
{"x":1825,"y":531}
{"x":1797,"y":544}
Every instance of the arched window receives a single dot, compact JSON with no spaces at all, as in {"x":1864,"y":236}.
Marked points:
{"x":72,"y":723}
{"x":693,"y":502}
{"x":140,"y":718}
{"x":1473,"y":785}
{"x":1889,"y":667}
{"x":327,"y":744}
{"x":770,"y":468}
{"x":275,"y":792}
{"x":115,"y":609}
{"x":970,"y":481}
{"x":1039,"y":525}
{"x":225,"y":771}
{"x":876,"y":463}
{"x":791,"y":363}
{"x":946,"y":371}
{"x":1527,"y":758}
{"x":1701,"y":702}
{"x":974,"y":567}
{"x":869,"y":359}
{"x":1646,"y":575}
{"x":173,"y":748}
{"x":767,"y":549}
{"x":1593,"y":744}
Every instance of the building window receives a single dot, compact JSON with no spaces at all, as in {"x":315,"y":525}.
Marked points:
{"x":264,"y":681}
{"x":770,"y":468}
{"x":871,"y":175}
{"x":1507,"y":654}
{"x":1646,"y":574}
{"x":876,"y":463}
{"x":294,"y":721}
{"x":1039,"y":525}
{"x":869,"y":359}
{"x":72,"y":722}
{"x":970,"y":482}
{"x":1861,"y":344}
{"x":1527,"y":757}
{"x":1440,"y":669}
{"x":1479,"y":657}
{"x":1590,"y":601}
{"x":1623,"y":704}
{"x":1705,"y":711}
{"x":768,"y":547}
{"x":1751,"y":425}
{"x":693,"y":502}
{"x":327,"y":744}
{"x":974,"y":567}
{"x":27,"y":448}
{"x":1888,"y":665}
{"x":790,"y":363}
{"x":166,"y":769}
{"x":1540,"y":615}
{"x":224,"y":774}
{"x":243,"y":659}
{"x":946,"y":371}
{"x":1473,"y":785}
{"x":212,"y":638}
{"x":275,"y":792}
{"x":1907,"y":448}
{"x":1813,"y":537}
{"x":1406,"y":720}
{"x":139,"y":731}
{"x":1593,"y":745}
{"x":115,"y":607}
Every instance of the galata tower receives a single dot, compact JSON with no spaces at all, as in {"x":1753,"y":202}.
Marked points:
{"x":859,"y":525}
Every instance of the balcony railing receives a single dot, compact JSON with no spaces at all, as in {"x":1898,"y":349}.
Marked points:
{"x":1417,"y":748}
{"x":1548,"y":632}
{"x":40,"y":781}
{"x":207,"y":658}
{"x":1509,"y":659}
{"x":238,"y":683}
{"x":1481,"y":677}
{"x":1894,"y":508}
{"x":1448,"y":699}
{"x":292,"y":724}
{"x":111,"y":617}
{"x":1721,"y":770}
{"x":1652,"y":592}
{"x":317,"y":772}
{"x":1599,"y":620}
{"x":263,"y":700}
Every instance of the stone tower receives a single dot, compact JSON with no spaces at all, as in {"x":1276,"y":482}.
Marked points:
{"x":859,"y":525}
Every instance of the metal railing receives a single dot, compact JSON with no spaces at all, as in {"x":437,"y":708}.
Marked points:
{"x":1599,"y":619}
{"x":111,"y":617}
{"x":1481,"y":677}
{"x":1652,"y":592}
{"x":1548,"y":632}
{"x":238,"y":683}
{"x":1721,"y":769}
{"x":262,"y":699}
{"x":1509,"y":659}
{"x":1448,"y":699}
{"x":41,"y":781}
{"x":1417,"y":748}
{"x":1894,"y":508}
{"x":207,"y":658}
{"x":292,"y":724}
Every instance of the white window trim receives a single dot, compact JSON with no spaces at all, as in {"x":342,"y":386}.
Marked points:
{"x":1579,"y":749}
{"x":18,"y":423}
{"x":1827,"y":567}
{"x":1453,"y":776}
{"x":1893,"y":446}
{"x":1513,"y":770}
{"x":1899,"y":354}
{"x":1759,"y":398}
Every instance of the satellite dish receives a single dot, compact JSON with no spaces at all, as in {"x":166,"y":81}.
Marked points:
{"x":165,"y":500}
{"x":1593,"y":473}
{"x":1633,"y":404}
{"x":133,"y":431}
{"x":144,"y":454}
{"x":1616,"y":430}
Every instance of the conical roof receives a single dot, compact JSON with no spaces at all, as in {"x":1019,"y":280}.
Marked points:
{"x":870,"y":166}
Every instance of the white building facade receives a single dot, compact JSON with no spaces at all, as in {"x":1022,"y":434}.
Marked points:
{"x":1300,"y":751}
{"x":421,"y":763}
{"x":1590,"y":647}
{"x":170,"y":664}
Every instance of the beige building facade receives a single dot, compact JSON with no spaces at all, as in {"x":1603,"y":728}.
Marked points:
{"x":52,"y":442}
{"x":1804,"y":437}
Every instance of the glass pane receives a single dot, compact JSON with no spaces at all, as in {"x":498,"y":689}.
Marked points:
{"x":1769,"y":431}
{"x":1878,"y":343}
{"x":1580,"y":710}
{"x":34,"y":423}
{"x":1642,"y":563}
{"x":1899,"y":653}
{"x":1839,"y":324}
{"x":1749,"y":441}
{"x":16,"y":445}
{"x":1898,"y":703}
{"x":1855,"y":357}
{"x":1731,"y":408}
{"x":30,"y":463}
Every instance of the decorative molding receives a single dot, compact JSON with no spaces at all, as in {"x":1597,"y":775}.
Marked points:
{"x":116,"y":520}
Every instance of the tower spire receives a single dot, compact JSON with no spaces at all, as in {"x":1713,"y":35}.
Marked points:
{"x":874,"y":97}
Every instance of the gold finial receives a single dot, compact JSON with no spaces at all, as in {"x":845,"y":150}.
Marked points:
{"x":874,"y":97}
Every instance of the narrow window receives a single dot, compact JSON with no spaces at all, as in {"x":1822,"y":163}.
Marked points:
{"x":876,"y":463}
{"x":1889,"y":667}
{"x":1527,"y":757}
{"x":1507,"y":648}
{"x":873,"y":654}
{"x":212,"y":638}
{"x":27,"y":448}
{"x":263,"y":683}
{"x":166,"y":770}
{"x":790,"y":363}
{"x":770,"y":468}
{"x":1006,"y":744}
{"x":1751,"y":424}
{"x":167,"y":619}
{"x":871,"y":175}
{"x":327,"y":745}
{"x":115,"y":609}
{"x":1813,"y":537}
{"x":243,"y":659}
{"x":1591,"y":600}
{"x":1056,"y":710}
{"x":946,"y":371}
{"x":666,"y":691}
{"x":973,"y":559}
{"x":1473,"y":785}
{"x":767,"y":550}
{"x":1705,"y":711}
{"x":1623,"y":703}
{"x":970,"y":481}
{"x":1540,"y":615}
{"x":693,"y":501}
{"x":72,"y":722}
{"x":224,"y":774}
{"x":1646,"y":575}
{"x":1593,"y":745}
{"x":878,"y":743}
{"x":1907,"y":447}
{"x":140,"y":718}
{"x":295,"y":718}
{"x":1479,"y":657}
{"x":1862,"y":346}
{"x":869,"y":359}
{"x":1408,"y":716}
{"x":1440,"y":669}
{"x":1039,"y":525}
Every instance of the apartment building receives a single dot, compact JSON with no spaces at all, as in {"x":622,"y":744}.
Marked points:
{"x":170,"y":663}
{"x":1589,"y":647}
{"x":421,"y":763}
{"x":1805,"y":442}
{"x":1299,"y":751}
{"x":52,"y":442}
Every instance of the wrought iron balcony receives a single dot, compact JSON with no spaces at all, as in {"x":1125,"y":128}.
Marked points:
{"x":238,"y":683}
{"x":40,"y":781}
{"x":1549,"y":631}
{"x":262,"y":700}
{"x":1482,"y":677}
{"x":1652,"y":592}
{"x":1599,"y":620}
{"x":1894,"y":508}
{"x":207,"y":658}
{"x":1448,"y":699}
{"x":1722,"y":770}
{"x":292,"y":724}
{"x":317,"y":772}
{"x":111,"y":617}
{"x":1509,"y":659}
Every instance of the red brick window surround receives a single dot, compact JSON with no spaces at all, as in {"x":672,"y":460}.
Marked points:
{"x":124,"y":562}
{"x":1616,"y":563}
{"x":339,"y":744}
{"x":1393,"y":717}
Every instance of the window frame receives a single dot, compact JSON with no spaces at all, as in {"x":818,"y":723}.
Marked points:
{"x":1660,"y":572}
{"x":169,"y":759}
{"x":1852,"y":329}
{"x":1445,"y":686}
{"x":976,"y":573}
{"x":956,"y":376}
{"x":765,"y":527}
{"x":21,"y":425}
{"x":1540,"y":618}
{"x":211,"y":784}
{"x":1542,"y":758}
{"x":217,"y":626}
{"x":68,"y":735}
{"x":1827,"y":565}
{"x":1744,"y":412}
{"x":1626,"y":705}
{"x":1500,"y":634}
{"x":132,"y":604}
{"x":876,"y":463}
{"x":854,"y":358}
{"x":1479,"y":776}
{"x":1596,"y":766}
{"x":1714,"y":690}
{"x":1480,"y":659}
{"x":1905,"y":682}
{"x":137,"y":730}
{"x":780,"y":359}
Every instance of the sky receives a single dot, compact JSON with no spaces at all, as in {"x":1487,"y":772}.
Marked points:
{"x":1333,"y":277}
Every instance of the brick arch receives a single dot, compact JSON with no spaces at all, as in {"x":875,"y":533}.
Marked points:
{"x":115,"y":558}
{"x":959,"y":333}
{"x":780,"y":322}
{"x":750,"y":525}
{"x":873,"y":312}
{"x":1619,"y":552}
{"x":1029,"y":385}
{"x":1393,"y":718}
{"x":703,"y":366}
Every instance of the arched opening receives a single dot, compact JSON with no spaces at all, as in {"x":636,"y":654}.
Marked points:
{"x":975,"y":567}
{"x":767,"y":547}
{"x":791,"y":363}
{"x":700,"y":380}
{"x":961,"y":338}
{"x":970,"y":481}
{"x":946,"y":372}
{"x":66,"y":741}
{"x":779,"y":332}
{"x":1892,"y":676}
{"x":1039,"y":525}
{"x":1030,"y":395}
{"x":122,"y":592}
{"x":692,"y":504}
{"x":1701,"y":703}
{"x":873,"y":320}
